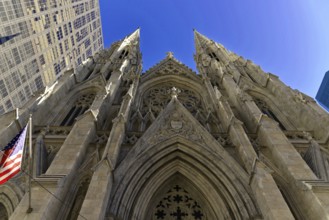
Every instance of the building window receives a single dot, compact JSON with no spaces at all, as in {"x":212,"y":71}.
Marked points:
{"x":3,"y":90}
{"x":72,"y":40}
{"x":38,"y":82}
{"x":16,"y":79}
{"x":267,"y":111}
{"x":59,"y":33}
{"x":57,"y":68}
{"x":123,"y":54}
{"x":27,"y":91}
{"x":213,"y":55}
{"x":65,"y":30}
{"x":61,"y":48}
{"x":9,"y":83}
{"x":8,"y":104}
{"x":16,"y":56}
{"x":2,"y":110}
{"x":35,"y":67}
{"x":177,"y":203}
{"x":82,"y":104}
{"x":49,"y":38}
{"x":42,"y":60}
{"x":22,"y":96}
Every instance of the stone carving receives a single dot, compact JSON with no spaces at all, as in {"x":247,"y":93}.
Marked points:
{"x":101,"y":138}
{"x":54,"y":130}
{"x":131,"y":138}
{"x":297,"y":135}
{"x":174,"y":92}
{"x":175,"y":124}
{"x":177,"y":203}
{"x":205,"y":60}
{"x":157,"y":99}
{"x":85,"y":100}
{"x":301,"y":97}
{"x":244,"y":97}
{"x":224,"y":140}
{"x":170,"y":55}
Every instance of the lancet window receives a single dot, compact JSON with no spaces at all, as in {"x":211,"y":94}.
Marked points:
{"x":213,"y":56}
{"x":82,"y":104}
{"x":267,"y":111}
{"x":77,"y":203}
{"x":108,"y":75}
{"x":156,"y":99}
{"x":124,"y":54}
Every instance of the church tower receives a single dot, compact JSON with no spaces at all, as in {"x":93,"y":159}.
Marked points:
{"x":228,"y":142}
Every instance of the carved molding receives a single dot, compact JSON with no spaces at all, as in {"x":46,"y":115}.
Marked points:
{"x":176,"y":124}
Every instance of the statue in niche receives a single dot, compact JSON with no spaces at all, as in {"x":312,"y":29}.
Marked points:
{"x":40,"y":155}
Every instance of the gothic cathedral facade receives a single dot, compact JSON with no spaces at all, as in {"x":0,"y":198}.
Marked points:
{"x":228,"y":142}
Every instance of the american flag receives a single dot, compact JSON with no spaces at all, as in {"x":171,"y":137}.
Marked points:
{"x":11,"y":157}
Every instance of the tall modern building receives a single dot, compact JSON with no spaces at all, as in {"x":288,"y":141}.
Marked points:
{"x":40,"y":40}
{"x":323,"y":94}
{"x":228,"y":142}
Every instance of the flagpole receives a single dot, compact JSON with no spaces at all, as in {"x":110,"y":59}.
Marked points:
{"x":29,"y":210}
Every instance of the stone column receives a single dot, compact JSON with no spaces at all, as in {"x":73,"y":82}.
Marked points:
{"x":267,"y":194}
{"x":97,"y":197}
{"x":59,"y":175}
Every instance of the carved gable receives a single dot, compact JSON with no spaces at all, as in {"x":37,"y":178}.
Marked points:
{"x":169,"y":66}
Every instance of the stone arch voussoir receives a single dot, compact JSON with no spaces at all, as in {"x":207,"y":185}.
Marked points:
{"x":219,"y":180}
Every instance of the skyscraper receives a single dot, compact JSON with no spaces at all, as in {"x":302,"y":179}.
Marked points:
{"x":323,"y":94}
{"x":40,"y":40}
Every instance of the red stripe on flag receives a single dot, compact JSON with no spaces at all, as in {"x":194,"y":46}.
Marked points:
{"x":14,"y":166}
{"x":12,"y":157}
{"x":11,"y":160}
{"x":5,"y":156}
{"x":10,"y":176}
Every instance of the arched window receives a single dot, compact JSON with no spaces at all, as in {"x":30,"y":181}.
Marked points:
{"x":79,"y":198}
{"x":82,"y":104}
{"x":123,"y":54}
{"x":213,"y":56}
{"x":3,"y":212}
{"x":267,"y":111}
{"x":90,"y":71}
{"x":177,"y":203}
{"x":108,"y":75}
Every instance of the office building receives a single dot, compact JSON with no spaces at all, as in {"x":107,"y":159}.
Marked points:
{"x":323,"y":94}
{"x":40,"y":40}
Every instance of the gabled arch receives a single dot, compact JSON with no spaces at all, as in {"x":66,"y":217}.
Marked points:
{"x":75,"y":195}
{"x":220,"y":182}
{"x":267,"y":105}
{"x":72,"y":106}
{"x":192,"y":95}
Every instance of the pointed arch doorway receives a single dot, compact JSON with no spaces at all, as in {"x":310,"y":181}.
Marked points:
{"x":178,"y":199}
{"x":168,"y":180}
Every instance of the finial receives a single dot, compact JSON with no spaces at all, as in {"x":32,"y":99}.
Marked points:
{"x":170,"y":54}
{"x":174,"y":92}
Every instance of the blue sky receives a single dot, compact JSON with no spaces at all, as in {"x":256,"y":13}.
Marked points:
{"x":289,"y":38}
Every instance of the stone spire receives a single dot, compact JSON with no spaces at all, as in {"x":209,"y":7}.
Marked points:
{"x":200,"y":40}
{"x":207,"y":47}
{"x":132,"y":39}
{"x":126,"y":56}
